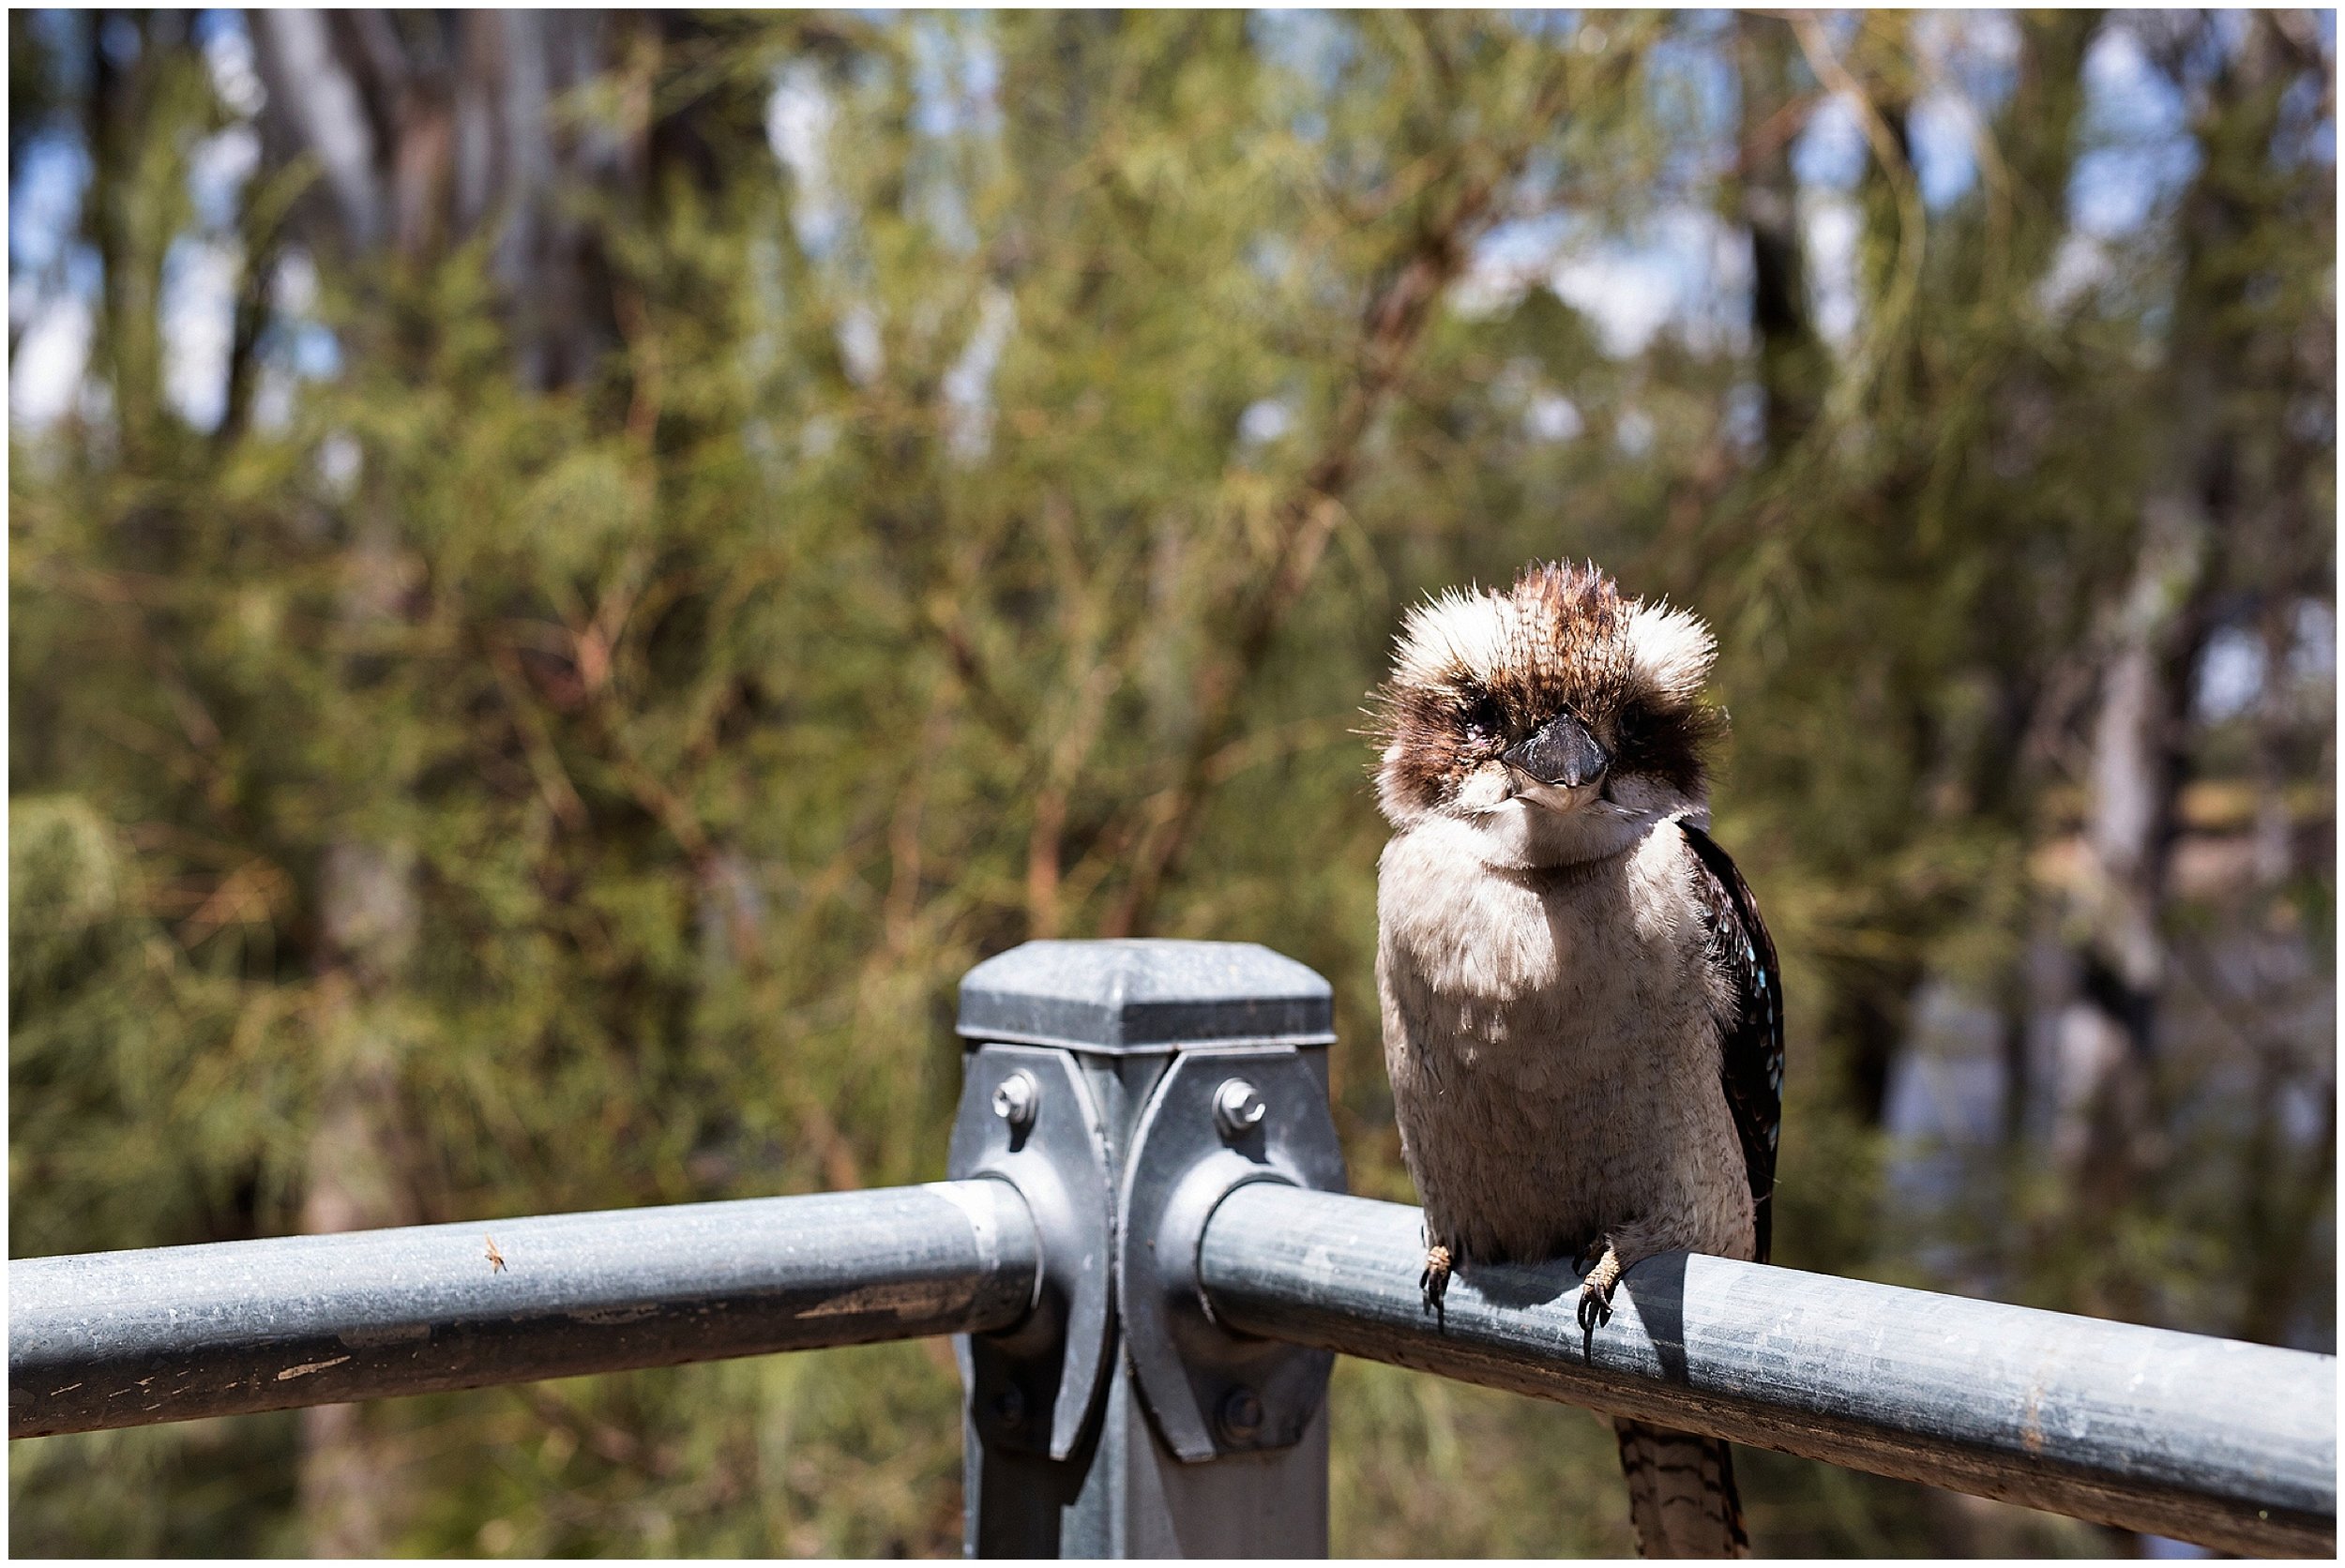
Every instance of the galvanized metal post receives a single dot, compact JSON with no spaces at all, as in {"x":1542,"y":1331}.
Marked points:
{"x":1126,"y":1088}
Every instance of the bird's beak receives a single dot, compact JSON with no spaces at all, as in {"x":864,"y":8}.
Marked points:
{"x":1561,"y":756}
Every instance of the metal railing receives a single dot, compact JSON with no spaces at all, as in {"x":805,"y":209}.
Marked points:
{"x":1149,"y":1260}
{"x":129,"y":1339}
{"x":2175,"y":1434}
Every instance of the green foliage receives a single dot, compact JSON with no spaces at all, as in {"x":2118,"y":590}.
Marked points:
{"x":988,"y":527}
{"x":1416,"y":1478}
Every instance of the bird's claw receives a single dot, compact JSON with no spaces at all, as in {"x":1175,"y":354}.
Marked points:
{"x":1596,"y":1291}
{"x":1434,"y":1281}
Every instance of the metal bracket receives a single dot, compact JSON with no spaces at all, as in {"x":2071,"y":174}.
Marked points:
{"x":1027,"y":1117}
{"x":1219,"y":1119}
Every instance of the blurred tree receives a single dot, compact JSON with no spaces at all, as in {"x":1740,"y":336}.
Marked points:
{"x":2210,"y":478}
{"x":431,"y":132}
{"x":1792,"y":374}
{"x":700,"y":528}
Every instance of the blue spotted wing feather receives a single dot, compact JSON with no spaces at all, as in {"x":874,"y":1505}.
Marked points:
{"x":1751,"y":1043}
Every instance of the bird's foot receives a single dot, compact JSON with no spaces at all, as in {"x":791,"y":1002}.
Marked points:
{"x":1596,"y":1291}
{"x":1434,"y":1281}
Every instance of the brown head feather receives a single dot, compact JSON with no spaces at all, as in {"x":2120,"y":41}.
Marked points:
{"x":1474,"y":672}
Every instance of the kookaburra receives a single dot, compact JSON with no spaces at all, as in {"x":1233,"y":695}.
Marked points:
{"x":1581,"y":1010}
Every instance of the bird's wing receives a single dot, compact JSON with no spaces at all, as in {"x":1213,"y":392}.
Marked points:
{"x":1751,"y":1042}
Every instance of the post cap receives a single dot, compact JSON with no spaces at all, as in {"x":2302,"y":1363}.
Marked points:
{"x":1145,"y":995}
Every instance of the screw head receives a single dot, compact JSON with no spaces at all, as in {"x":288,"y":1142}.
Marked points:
{"x":1237,"y":1108}
{"x":1241,"y":1412}
{"x":1015,"y":1100}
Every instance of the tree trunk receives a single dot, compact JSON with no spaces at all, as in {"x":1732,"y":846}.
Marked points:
{"x":351,"y":1502}
{"x":2104,"y":1134}
{"x":1792,"y":366}
{"x":428,"y":126}
{"x":359,"y":1173}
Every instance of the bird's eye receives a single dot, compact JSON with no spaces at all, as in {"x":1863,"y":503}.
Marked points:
{"x":1484,"y":723}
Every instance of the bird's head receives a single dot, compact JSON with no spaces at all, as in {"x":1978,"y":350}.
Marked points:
{"x":1557,"y":718}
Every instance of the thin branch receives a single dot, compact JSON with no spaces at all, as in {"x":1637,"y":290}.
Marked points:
{"x":544,"y":762}
{"x":1307,"y":517}
{"x":1912,"y":219}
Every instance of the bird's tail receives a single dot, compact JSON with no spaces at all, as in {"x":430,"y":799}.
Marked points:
{"x":1681,"y":1493}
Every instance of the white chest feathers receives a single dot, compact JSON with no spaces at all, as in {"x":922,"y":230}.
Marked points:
{"x":1553,"y":1037}
{"x":1548,"y":974}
